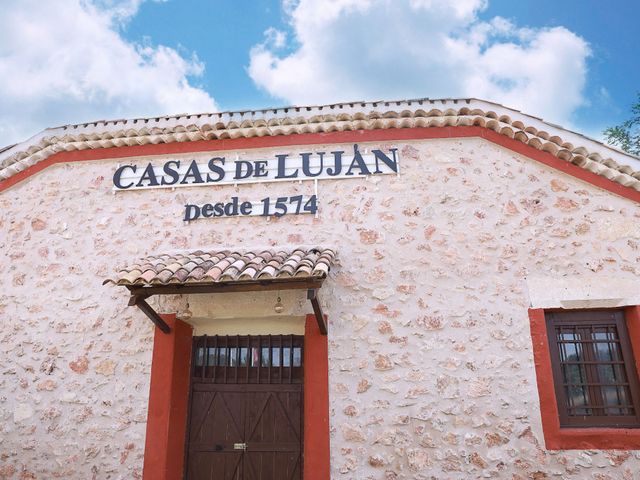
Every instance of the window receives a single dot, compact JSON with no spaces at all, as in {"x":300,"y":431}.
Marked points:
{"x":248,"y":358}
{"x":594,"y":373}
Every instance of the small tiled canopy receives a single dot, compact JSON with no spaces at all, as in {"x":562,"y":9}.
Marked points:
{"x":226,"y":271}
{"x":225,"y":266}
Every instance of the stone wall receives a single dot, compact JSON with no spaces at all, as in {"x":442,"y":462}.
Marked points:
{"x":431,"y":370}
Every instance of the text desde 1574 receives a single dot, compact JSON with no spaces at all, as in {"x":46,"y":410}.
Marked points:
{"x":296,"y":204}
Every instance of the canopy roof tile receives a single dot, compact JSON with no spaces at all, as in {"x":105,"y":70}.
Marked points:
{"x":223,"y":267}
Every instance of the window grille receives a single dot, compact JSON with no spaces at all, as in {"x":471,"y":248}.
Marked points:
{"x":248,"y":359}
{"x":594,"y":370}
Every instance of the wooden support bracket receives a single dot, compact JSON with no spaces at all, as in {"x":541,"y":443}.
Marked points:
{"x":139,"y":296}
{"x":312,"y":295}
{"x":141,"y":303}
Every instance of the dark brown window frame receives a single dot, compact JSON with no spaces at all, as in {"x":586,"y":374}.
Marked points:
{"x":582,"y":321}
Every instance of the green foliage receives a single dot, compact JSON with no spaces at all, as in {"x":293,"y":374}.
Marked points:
{"x":627,"y":135}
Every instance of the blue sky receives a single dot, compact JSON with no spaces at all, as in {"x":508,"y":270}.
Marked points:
{"x":610,"y":28}
{"x":222,"y":34}
{"x":571,"y":62}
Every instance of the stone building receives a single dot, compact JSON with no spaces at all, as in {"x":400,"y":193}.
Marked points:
{"x":424,"y":289}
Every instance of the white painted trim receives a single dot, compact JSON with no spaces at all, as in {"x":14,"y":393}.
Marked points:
{"x":583,"y":291}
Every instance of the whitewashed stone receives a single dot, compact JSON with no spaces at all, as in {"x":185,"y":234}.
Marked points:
{"x":449,"y":262}
{"x":22,"y":412}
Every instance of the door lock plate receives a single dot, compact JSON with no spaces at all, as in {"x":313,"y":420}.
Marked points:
{"x":239,"y":446}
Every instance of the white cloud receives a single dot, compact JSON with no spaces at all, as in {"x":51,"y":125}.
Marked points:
{"x":275,"y":37}
{"x":387,"y":49}
{"x":65,"y":61}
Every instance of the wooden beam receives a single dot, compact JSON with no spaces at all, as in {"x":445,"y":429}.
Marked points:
{"x":142,"y":304}
{"x":134,"y":299}
{"x":140,"y":294}
{"x":187,"y":289}
{"x":312,"y":294}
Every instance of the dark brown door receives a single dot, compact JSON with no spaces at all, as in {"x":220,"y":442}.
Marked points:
{"x":246,"y":408}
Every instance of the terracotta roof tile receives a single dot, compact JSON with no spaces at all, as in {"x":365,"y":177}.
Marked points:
{"x":197,"y":273}
{"x":162,"y":277}
{"x":566,"y":145}
{"x":225,"y":267}
{"x":148,"y":275}
{"x":181,"y":275}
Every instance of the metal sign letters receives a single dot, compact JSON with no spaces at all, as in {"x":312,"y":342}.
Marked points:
{"x":219,"y":170}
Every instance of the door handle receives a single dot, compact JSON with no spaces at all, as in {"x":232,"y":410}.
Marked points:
{"x":219,"y":448}
{"x":240,"y":446}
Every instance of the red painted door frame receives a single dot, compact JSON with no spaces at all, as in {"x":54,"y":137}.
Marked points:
{"x":169,"y":402}
{"x":316,"y":402}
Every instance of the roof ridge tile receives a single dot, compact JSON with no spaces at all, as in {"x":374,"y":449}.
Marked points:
{"x":298,"y":119}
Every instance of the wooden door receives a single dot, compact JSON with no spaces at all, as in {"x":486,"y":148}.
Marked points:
{"x":246,"y":409}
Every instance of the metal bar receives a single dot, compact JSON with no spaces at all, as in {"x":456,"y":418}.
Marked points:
{"x":612,"y":330}
{"x":248,"y":363}
{"x":259,"y":356}
{"x":215,"y":357}
{"x":578,"y":337}
{"x":596,"y":394}
{"x":194,"y":349}
{"x":312,"y":294}
{"x":205,"y":357}
{"x":592,"y":363}
{"x":141,"y":303}
{"x":237,"y":357}
{"x":226,"y":357}
{"x":623,"y":384}
{"x":270,"y":360}
{"x":290,"y":357}
{"x":281,"y":356}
